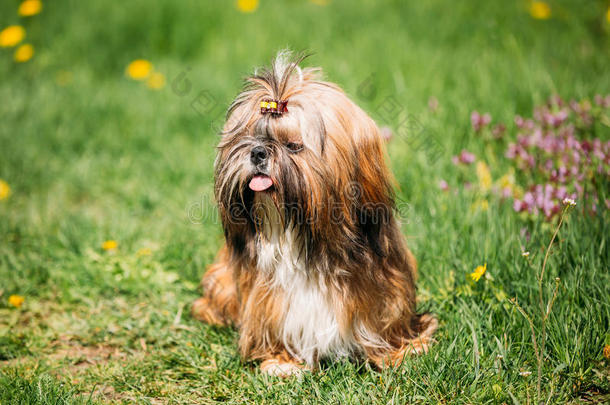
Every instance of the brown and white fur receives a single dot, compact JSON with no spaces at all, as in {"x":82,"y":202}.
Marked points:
{"x":314,"y":264}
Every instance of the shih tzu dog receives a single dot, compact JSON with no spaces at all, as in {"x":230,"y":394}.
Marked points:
{"x":314,"y":265}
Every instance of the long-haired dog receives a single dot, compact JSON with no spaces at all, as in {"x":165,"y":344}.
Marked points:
{"x":314,"y":264}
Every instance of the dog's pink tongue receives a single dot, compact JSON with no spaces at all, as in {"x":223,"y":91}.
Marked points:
{"x":260,"y":183}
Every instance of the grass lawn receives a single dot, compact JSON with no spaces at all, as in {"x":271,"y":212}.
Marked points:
{"x":91,"y":155}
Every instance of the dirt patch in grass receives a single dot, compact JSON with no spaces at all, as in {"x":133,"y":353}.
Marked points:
{"x":76,"y":355}
{"x":81,"y":357}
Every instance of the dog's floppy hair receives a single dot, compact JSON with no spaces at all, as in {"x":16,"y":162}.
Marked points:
{"x":325,"y":229}
{"x":353,"y":189}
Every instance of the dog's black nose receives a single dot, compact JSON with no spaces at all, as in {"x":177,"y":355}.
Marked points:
{"x":258,"y":155}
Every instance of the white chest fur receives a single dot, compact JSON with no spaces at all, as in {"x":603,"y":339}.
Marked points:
{"x":310,"y":329}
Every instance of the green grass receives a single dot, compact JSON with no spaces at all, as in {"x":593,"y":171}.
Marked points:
{"x":103,"y":157}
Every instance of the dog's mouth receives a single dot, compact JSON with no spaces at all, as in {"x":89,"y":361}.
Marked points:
{"x":260,"y":182}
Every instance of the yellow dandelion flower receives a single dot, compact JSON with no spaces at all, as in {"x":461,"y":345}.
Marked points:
{"x":144,"y":252}
{"x":110,"y":245}
{"x":540,"y":10}
{"x":484,"y":176}
{"x":478,"y":273}
{"x":607,"y":351}
{"x":508,"y":180}
{"x":24,"y":53}
{"x":608,"y":15}
{"x":11,"y":36}
{"x":156,"y":81}
{"x":320,"y":2}
{"x":247,"y":6}
{"x":139,"y":69}
{"x":5,"y":190}
{"x":29,"y":8}
{"x":15,"y":300}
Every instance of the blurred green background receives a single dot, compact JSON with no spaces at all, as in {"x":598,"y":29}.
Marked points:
{"x":92,"y":155}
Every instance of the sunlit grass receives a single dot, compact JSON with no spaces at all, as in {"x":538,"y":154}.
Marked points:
{"x":107,"y":221}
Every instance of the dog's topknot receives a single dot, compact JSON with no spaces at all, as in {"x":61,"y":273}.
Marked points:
{"x":282,"y":67}
{"x":277,"y":82}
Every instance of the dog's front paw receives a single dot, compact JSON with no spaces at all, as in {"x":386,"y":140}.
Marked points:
{"x":283,"y":369}
{"x":203,"y":311}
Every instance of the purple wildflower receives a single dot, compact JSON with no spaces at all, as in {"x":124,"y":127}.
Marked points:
{"x":498,"y":130}
{"x":443,"y":185}
{"x":603,"y":102}
{"x":479,"y":121}
{"x":464,"y":157}
{"x":386,"y":133}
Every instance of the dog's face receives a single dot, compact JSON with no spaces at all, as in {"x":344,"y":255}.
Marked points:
{"x":272,"y":155}
{"x":320,"y":162}
{"x":280,"y":156}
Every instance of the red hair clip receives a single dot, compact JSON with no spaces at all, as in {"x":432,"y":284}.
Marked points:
{"x":274,"y":107}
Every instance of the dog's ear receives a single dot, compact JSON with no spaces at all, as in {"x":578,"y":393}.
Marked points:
{"x":375,"y":195}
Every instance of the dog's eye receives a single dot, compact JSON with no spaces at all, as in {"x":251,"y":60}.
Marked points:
{"x":294,"y":147}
